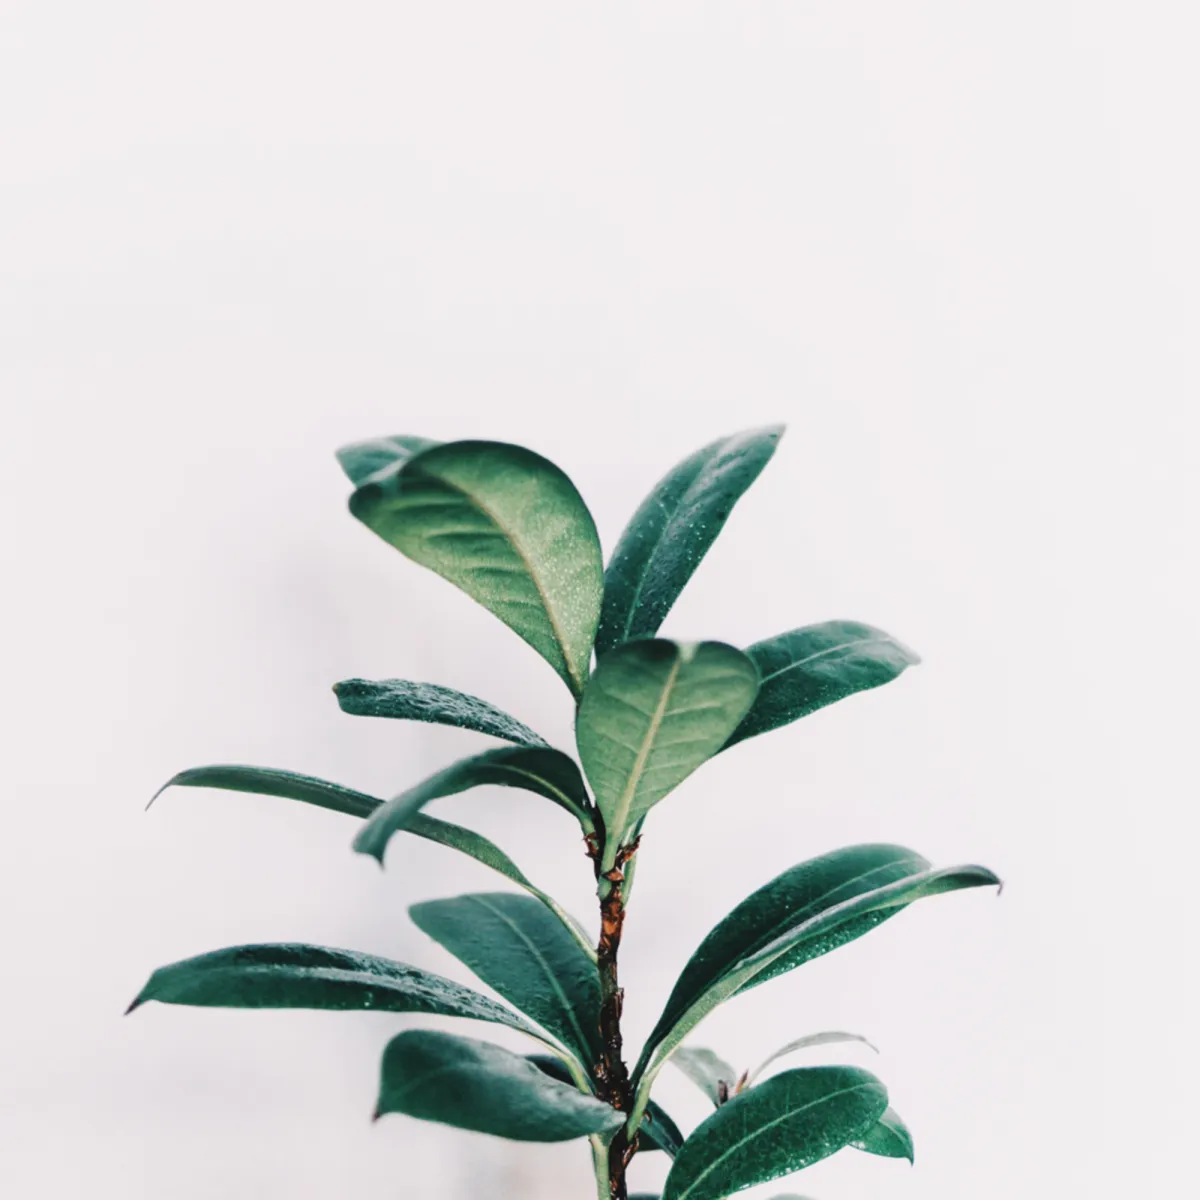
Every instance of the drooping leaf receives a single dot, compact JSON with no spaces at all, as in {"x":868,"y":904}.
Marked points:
{"x":815,"y":666}
{"x":658,"y":1131}
{"x":507,"y":527}
{"x":652,"y":713}
{"x":361,"y":460}
{"x":543,"y":771}
{"x":807,"y":911}
{"x":301,"y":976}
{"x":475,"y":1085}
{"x":407,"y":700}
{"x":805,"y":1043}
{"x":787,"y":1123}
{"x":672,"y":531}
{"x":888,"y":1137}
{"x":521,"y":950}
{"x":707,"y":1070}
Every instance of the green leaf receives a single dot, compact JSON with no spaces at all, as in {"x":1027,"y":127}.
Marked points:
{"x":787,"y":1123}
{"x":361,"y":460}
{"x":653,"y":712}
{"x":507,"y":527}
{"x":300,"y":976}
{"x":672,"y":530}
{"x":521,"y":950}
{"x":658,"y":1131}
{"x":805,"y":1043}
{"x":475,"y":1085}
{"x":809,"y":668}
{"x":707,"y":1070}
{"x":406,"y":700}
{"x":807,"y":911}
{"x":543,"y":771}
{"x":266,"y":781}
{"x":888,"y":1137}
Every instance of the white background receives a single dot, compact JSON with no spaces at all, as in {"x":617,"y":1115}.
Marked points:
{"x":954,"y":245}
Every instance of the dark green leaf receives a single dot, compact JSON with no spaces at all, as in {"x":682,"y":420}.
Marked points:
{"x":790,"y":1122}
{"x":707,"y":1070}
{"x":672,"y":530}
{"x":520,"y":949}
{"x":300,"y":976}
{"x":361,"y":460}
{"x":809,"y":668}
{"x":266,"y":781}
{"x":475,"y":1085}
{"x":810,"y":1040}
{"x":406,"y":700}
{"x":653,"y":712}
{"x":888,"y":1137}
{"x":507,"y":527}
{"x":544,"y":771}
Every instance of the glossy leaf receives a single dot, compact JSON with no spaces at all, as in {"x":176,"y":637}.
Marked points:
{"x":672,"y":531}
{"x":811,"y":1040}
{"x":361,"y":460}
{"x":266,"y":781}
{"x":658,"y":1131}
{"x":407,"y":700}
{"x":888,"y":1137}
{"x":653,"y":712}
{"x":507,"y":527}
{"x":544,"y":771}
{"x":707,"y":1070}
{"x":809,"y":668}
{"x":301,"y":976}
{"x":522,"y":951}
{"x":787,"y":1123}
{"x":476,"y":1085}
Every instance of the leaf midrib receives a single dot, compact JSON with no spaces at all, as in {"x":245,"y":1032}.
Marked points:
{"x":800,"y":662}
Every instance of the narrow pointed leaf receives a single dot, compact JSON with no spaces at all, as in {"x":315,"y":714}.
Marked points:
{"x":658,"y":1131}
{"x":815,"y":666}
{"x":522,"y":951}
{"x":707,"y":1070}
{"x":653,"y":712}
{"x":672,"y":531}
{"x":407,"y":700}
{"x":361,"y":460}
{"x":302,"y":976}
{"x":805,"y":1043}
{"x":507,"y":527}
{"x":475,"y":1085}
{"x":790,"y":1122}
{"x":888,"y":1137}
{"x":543,"y":771}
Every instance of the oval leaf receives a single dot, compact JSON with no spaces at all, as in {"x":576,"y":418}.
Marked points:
{"x":809,"y":668}
{"x":361,"y":460}
{"x":523,"y":952}
{"x":475,"y":1085}
{"x":790,"y":1122}
{"x":653,"y":712}
{"x":546,"y":772}
{"x":888,"y":1137}
{"x":406,"y":700}
{"x":707,"y":1070}
{"x":672,"y":531}
{"x":805,"y":1043}
{"x":301,"y":976}
{"x":507,"y":527}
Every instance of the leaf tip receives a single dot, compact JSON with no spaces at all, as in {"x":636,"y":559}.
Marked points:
{"x":135,"y":1003}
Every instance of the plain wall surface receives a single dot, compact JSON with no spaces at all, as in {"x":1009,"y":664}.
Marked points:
{"x":953,"y":245}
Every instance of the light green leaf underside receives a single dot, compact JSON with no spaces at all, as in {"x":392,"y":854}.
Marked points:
{"x":303,"y":976}
{"x":361,"y":460}
{"x":475,"y":1085}
{"x":808,"y":1042}
{"x":888,"y":1137}
{"x":522,"y":951}
{"x":548,"y":773}
{"x":787,"y":1123}
{"x":408,"y":700}
{"x":809,"y":668}
{"x":653,"y":712}
{"x":507,"y":527}
{"x":672,"y":531}
{"x":707,"y":1070}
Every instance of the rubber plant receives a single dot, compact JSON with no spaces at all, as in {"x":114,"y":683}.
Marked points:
{"x":509,"y":528}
